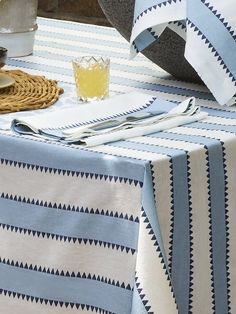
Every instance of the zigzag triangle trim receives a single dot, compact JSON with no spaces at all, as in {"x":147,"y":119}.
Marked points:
{"x":179,"y":24}
{"x":172,"y":213}
{"x":158,"y":250}
{"x":153,"y":33}
{"x":155,"y":7}
{"x":63,"y":238}
{"x":220,"y":18}
{"x":213,"y":50}
{"x":210,"y":229}
{"x":142,"y":296}
{"x":106,"y":118}
{"x":190,"y":307}
{"x":82,"y":209}
{"x":71,"y":173}
{"x":227,"y":227}
{"x":67,"y":273}
{"x":49,"y":302}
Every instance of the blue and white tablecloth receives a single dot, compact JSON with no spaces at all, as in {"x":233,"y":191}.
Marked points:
{"x":145,"y":225}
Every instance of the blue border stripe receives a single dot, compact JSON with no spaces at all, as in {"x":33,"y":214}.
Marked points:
{"x":69,"y":223}
{"x":181,"y":236}
{"x":77,"y":26}
{"x":78,"y":38}
{"x":137,"y":305}
{"x":221,"y":113}
{"x":215,"y":31}
{"x":217,"y":194}
{"x":146,"y":147}
{"x":186,"y":138}
{"x":69,"y":158}
{"x":75,"y":290}
{"x":143,"y":40}
{"x":211,"y":126}
{"x":141,"y":6}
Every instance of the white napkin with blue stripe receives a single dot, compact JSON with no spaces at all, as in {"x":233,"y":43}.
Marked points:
{"x":99,"y":122}
{"x":209,"y":28}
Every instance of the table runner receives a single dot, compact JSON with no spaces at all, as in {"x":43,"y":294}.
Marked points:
{"x":118,"y":227}
{"x":209,"y":29}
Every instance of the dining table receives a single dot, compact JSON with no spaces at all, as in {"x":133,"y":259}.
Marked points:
{"x":142,"y":225}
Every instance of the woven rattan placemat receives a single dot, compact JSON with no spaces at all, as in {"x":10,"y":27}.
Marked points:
{"x":29,"y":92}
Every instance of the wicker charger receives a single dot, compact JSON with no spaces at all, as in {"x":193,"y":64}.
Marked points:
{"x":29,"y":92}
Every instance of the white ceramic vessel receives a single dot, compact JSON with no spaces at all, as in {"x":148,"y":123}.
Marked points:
{"x":18,"y":26}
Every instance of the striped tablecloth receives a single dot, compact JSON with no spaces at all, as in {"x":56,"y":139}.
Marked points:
{"x":146,"y":225}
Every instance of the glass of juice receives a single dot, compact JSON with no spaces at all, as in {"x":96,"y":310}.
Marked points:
{"x":92,"y":75}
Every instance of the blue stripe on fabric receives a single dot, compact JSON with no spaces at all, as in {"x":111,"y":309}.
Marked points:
{"x":58,"y":156}
{"x":210,"y":126}
{"x":137,"y":305}
{"x":217,"y":195}
{"x":143,"y":40}
{"x":145,"y":147}
{"x":141,"y":6}
{"x":100,"y":42}
{"x":220,"y":113}
{"x":201,"y":140}
{"x":181,"y":237}
{"x":215,"y":31}
{"x":65,"y":289}
{"x":69,"y":223}
{"x":78,"y":26}
{"x":118,"y":80}
{"x":80,"y":49}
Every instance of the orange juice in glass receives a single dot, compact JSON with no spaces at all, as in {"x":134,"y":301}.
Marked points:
{"x":92,"y":76}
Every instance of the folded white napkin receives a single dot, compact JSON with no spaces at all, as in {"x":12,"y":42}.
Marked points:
{"x":78,"y":125}
{"x":87,"y":113}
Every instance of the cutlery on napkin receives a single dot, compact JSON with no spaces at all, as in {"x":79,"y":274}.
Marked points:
{"x":157,"y":124}
{"x":120,"y":117}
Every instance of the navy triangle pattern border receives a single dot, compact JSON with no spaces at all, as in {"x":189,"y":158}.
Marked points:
{"x":210,"y":229}
{"x":190,"y":236}
{"x":154,"y":7}
{"x":227,"y":227}
{"x":72,"y":173}
{"x":67,"y":273}
{"x":213,"y":50}
{"x":63,"y":238}
{"x":221,"y":18}
{"x":60,"y":206}
{"x":179,"y":24}
{"x":56,"y":303}
{"x":153,"y":33}
{"x":158,"y":250}
{"x":118,"y":115}
{"x":142,"y":295}
{"x":172,"y":213}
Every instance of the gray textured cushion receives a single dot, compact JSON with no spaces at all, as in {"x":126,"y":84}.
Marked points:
{"x":167,"y":52}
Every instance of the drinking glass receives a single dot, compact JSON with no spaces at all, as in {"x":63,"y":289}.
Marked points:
{"x":92,"y":76}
